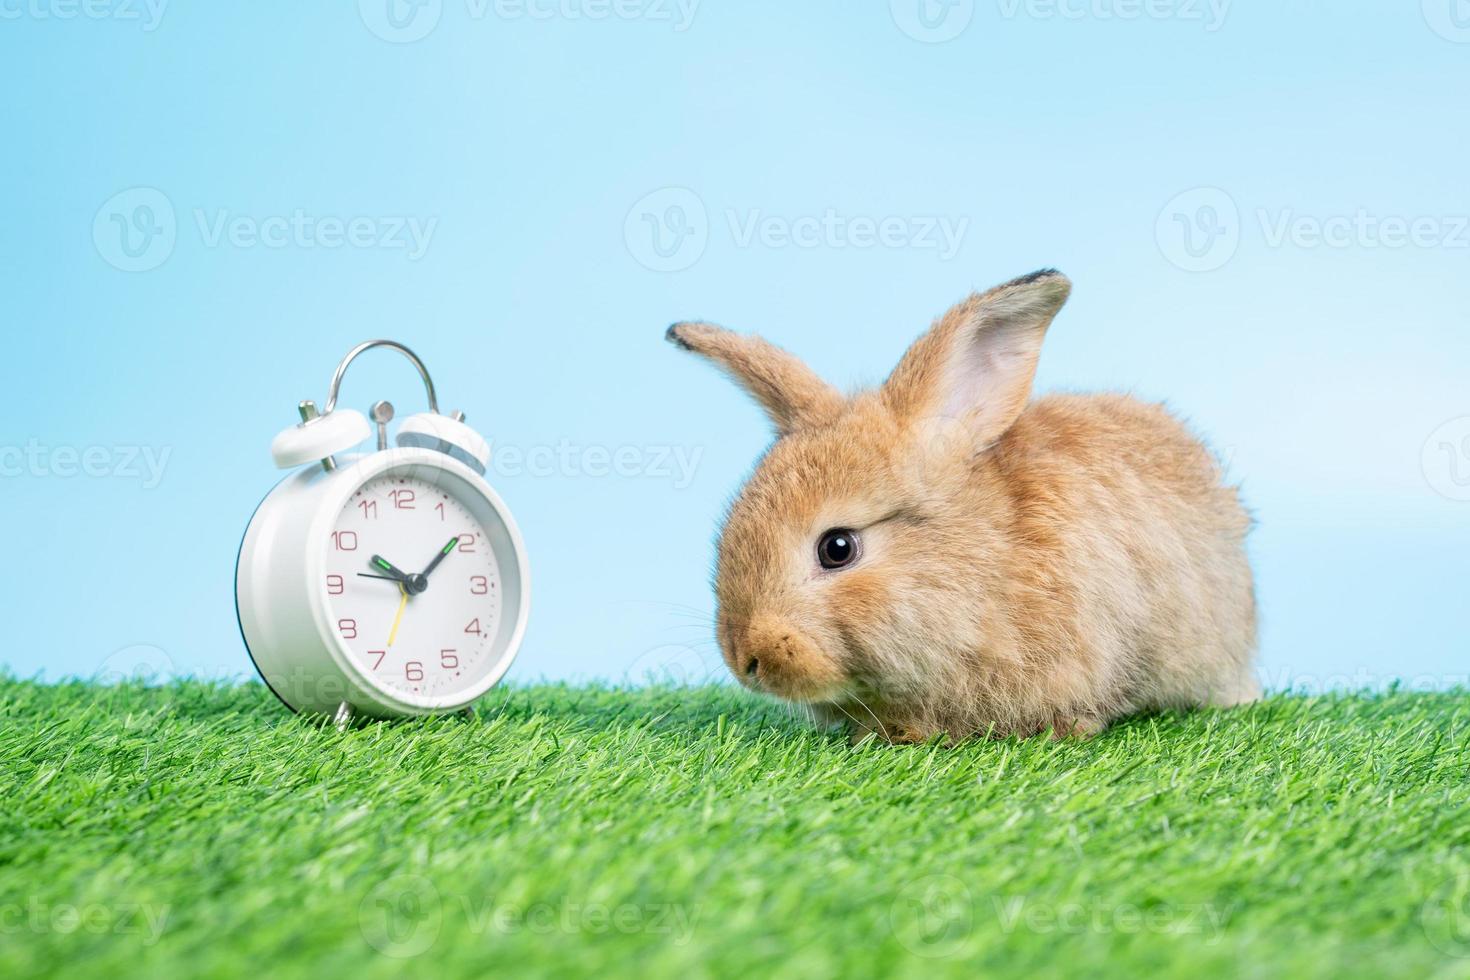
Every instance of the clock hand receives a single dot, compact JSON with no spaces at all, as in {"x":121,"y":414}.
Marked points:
{"x":385,"y":578}
{"x":443,"y":554}
{"x":412,"y":584}
{"x":378,"y":561}
{"x":398,"y":617}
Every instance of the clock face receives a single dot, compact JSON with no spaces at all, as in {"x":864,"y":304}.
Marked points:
{"x":413,"y":585}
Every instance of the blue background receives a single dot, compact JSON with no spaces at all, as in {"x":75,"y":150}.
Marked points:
{"x":1334,"y":378}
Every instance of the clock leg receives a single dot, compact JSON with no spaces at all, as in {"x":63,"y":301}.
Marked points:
{"x":468,"y":713}
{"x":343,"y":716}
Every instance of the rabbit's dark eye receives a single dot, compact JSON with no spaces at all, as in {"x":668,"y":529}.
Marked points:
{"x":837,"y":548}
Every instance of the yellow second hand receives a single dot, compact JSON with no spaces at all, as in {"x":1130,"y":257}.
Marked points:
{"x":398,"y":618}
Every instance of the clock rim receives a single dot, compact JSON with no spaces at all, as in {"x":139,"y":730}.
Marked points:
{"x":281,"y":605}
{"x":364,"y":470}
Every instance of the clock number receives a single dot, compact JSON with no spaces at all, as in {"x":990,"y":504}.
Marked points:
{"x":348,"y":628}
{"x":474,"y":627}
{"x":440,"y":508}
{"x":402,"y":499}
{"x":380,"y":654}
{"x":345,"y":540}
{"x":413,"y":670}
{"x":467,"y":542}
{"x":448,"y":659}
{"x":335,"y":585}
{"x":369,"y":509}
{"x":479,"y":585}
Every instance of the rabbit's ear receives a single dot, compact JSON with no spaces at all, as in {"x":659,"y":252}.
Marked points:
{"x":977,"y":363}
{"x":787,"y":389}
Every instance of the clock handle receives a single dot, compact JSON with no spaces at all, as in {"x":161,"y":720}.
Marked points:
{"x":321,"y":435}
{"x":369,"y":345}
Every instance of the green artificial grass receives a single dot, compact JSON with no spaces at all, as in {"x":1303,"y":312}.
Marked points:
{"x":202,"y":830}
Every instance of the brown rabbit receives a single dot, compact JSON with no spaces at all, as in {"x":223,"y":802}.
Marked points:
{"x":939,"y":557}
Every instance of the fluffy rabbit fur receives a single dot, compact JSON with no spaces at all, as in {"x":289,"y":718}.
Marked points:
{"x":1023,"y":566}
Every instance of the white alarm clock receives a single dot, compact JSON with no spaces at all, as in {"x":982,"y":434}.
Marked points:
{"x":390,"y":583}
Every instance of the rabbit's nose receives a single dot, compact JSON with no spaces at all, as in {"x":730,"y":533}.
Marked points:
{"x":747,"y":665}
{"x":771,"y":657}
